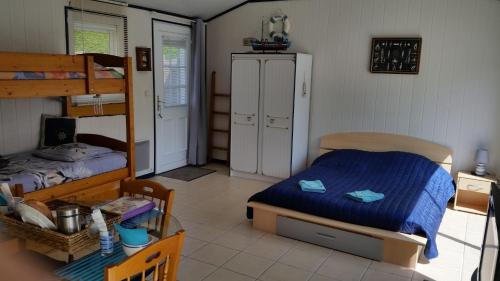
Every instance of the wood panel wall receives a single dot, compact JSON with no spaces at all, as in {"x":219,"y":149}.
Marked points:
{"x":453,"y":101}
{"x":38,"y":26}
{"x":28,"y":26}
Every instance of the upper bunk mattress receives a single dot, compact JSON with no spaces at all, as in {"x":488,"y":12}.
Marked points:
{"x":416,"y":192}
{"x":56,"y":75}
{"x":37,"y":173}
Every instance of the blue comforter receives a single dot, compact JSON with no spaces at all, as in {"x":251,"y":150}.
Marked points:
{"x":416,"y":191}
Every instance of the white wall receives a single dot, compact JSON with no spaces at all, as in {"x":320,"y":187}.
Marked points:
{"x":453,"y":101}
{"x":38,"y":26}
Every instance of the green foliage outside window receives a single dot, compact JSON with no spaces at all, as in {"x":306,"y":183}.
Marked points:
{"x":91,"y":42}
{"x":170,"y":53}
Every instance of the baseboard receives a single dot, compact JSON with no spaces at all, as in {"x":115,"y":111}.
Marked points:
{"x":146,"y":176}
{"x":233,"y":173}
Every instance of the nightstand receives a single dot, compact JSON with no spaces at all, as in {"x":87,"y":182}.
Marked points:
{"x":472,"y":194}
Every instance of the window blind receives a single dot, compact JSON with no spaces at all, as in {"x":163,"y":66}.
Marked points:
{"x":91,"y":32}
{"x":175,"y":70}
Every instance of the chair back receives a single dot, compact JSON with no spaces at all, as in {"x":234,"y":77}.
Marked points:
{"x":160,"y":259}
{"x":156,"y":192}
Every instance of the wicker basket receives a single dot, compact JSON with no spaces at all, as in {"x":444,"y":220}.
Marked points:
{"x":67,"y":243}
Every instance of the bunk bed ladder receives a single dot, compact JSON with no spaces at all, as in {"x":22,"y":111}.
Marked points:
{"x":219,"y":132}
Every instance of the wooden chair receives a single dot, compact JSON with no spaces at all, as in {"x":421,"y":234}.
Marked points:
{"x":163,"y":256}
{"x":161,"y":195}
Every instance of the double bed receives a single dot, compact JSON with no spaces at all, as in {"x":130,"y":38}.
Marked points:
{"x":413,"y":174}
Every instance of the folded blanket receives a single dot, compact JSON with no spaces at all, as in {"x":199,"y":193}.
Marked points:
{"x":312,"y":186}
{"x":365,"y":196}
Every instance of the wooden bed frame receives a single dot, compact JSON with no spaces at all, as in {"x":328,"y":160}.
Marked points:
{"x":398,"y":248}
{"x":103,"y":186}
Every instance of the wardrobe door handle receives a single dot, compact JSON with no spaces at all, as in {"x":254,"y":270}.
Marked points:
{"x":277,"y":127}
{"x":277,"y":117}
{"x":244,"y":114}
{"x":243,"y":124}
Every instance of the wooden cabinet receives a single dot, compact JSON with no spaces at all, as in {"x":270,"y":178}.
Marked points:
{"x":472,"y":194}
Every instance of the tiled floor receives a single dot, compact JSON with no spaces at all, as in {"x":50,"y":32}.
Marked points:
{"x":222,"y":246}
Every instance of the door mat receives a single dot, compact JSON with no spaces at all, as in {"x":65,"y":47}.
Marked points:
{"x":187,"y":173}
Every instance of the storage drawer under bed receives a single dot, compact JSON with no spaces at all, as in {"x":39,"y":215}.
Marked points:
{"x":349,"y":242}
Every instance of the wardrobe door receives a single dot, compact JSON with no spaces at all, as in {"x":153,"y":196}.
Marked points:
{"x":245,"y":85}
{"x":277,"y":113}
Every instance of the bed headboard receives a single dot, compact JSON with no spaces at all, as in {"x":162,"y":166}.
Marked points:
{"x":103,"y":141}
{"x":379,"y":142}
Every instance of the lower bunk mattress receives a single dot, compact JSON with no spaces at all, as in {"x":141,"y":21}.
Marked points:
{"x":36,"y":173}
{"x":416,"y":192}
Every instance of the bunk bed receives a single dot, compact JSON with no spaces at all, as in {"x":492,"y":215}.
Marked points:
{"x":30,"y":75}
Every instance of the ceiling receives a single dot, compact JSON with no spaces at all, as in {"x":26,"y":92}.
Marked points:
{"x":204,"y":9}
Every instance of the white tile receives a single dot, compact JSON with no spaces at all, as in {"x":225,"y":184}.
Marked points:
{"x":392,"y":269}
{"x":475,"y":223}
{"x":373,"y":275}
{"x":235,"y":240}
{"x":204,"y":233}
{"x":246,"y":229}
{"x":317,"y":277}
{"x":248,"y":265}
{"x":447,"y":260}
{"x":270,"y":247}
{"x":471,"y":262}
{"x":474,"y":239}
{"x":344,"y":267}
{"x":226,"y":275}
{"x":191,"y":245}
{"x":449,"y":243}
{"x":283,"y":272}
{"x":472,"y":255}
{"x":306,"y":256}
{"x":437,"y":275}
{"x":213,"y":254}
{"x":192,"y":270}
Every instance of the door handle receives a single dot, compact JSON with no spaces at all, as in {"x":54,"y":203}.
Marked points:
{"x":159,"y":107}
{"x":326,"y":236}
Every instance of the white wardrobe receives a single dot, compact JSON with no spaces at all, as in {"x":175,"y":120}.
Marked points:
{"x":270,"y":98}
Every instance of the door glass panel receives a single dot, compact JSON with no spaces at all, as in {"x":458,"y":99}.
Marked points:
{"x":175,"y":71}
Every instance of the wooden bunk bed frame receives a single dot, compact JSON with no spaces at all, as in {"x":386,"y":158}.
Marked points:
{"x":98,"y":187}
{"x":398,"y":248}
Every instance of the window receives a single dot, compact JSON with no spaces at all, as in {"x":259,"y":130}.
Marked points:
{"x":94,"y":38}
{"x":95,"y":33}
{"x":175,"y":71}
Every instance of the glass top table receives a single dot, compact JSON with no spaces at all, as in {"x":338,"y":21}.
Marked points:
{"x":92,"y":266}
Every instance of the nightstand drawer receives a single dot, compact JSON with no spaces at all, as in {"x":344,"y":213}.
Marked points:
{"x":474,"y":185}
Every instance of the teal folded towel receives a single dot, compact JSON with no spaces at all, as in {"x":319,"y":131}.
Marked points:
{"x":312,"y":186}
{"x":132,"y":237}
{"x":365,"y":196}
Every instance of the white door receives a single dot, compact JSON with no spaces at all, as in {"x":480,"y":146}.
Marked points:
{"x":279,"y":76}
{"x":244,"y":114}
{"x":171,"y":67}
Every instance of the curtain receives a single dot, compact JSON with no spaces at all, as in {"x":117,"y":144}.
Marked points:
{"x":197,"y":100}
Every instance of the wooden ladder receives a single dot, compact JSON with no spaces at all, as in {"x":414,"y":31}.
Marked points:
{"x":218,"y":130}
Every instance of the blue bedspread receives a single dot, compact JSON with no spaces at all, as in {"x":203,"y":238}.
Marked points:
{"x":416,"y":191}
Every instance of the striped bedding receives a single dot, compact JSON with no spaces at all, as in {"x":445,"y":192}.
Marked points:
{"x":57,"y":75}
